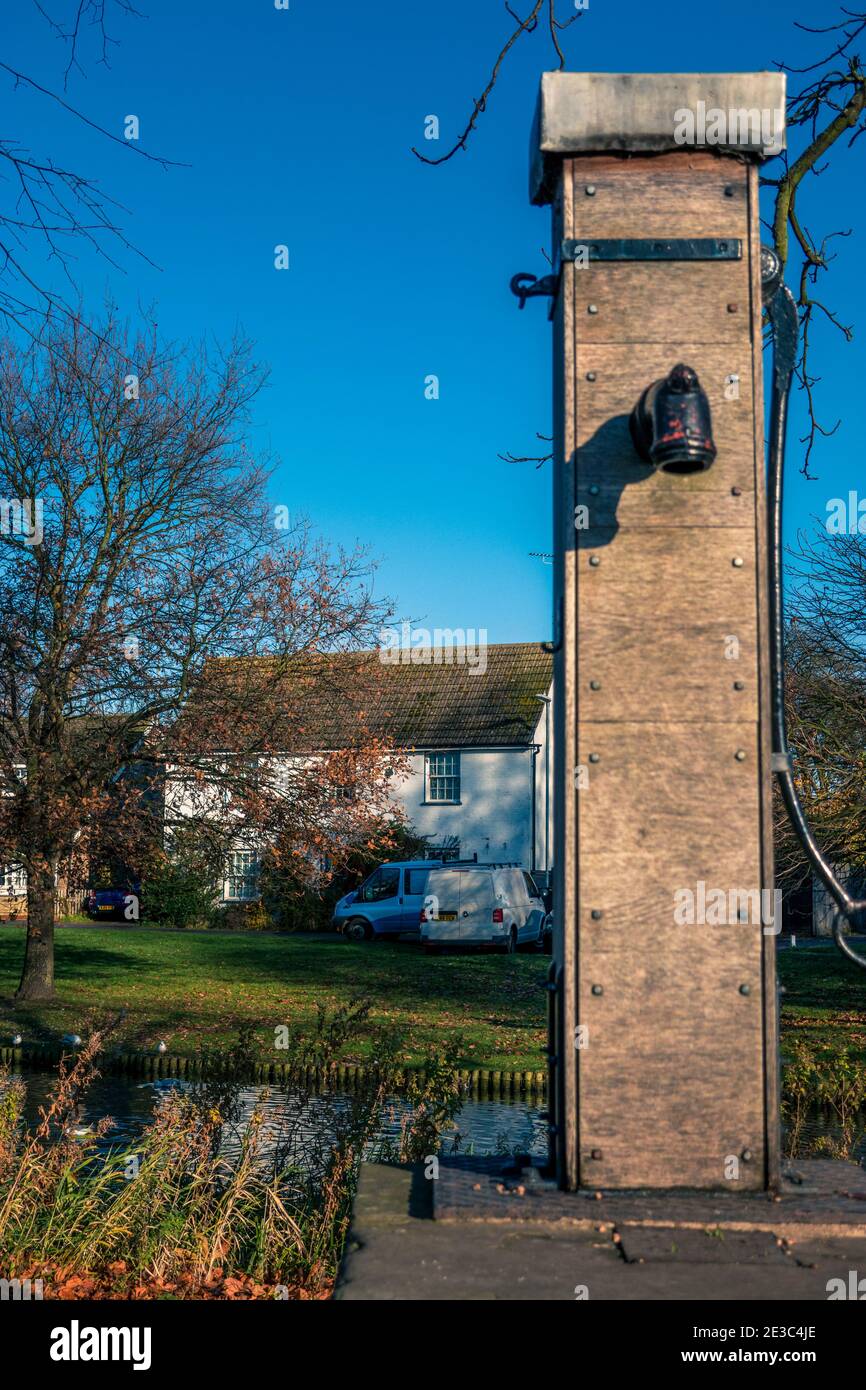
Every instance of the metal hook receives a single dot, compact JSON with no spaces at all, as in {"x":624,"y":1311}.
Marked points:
{"x":526,"y":286}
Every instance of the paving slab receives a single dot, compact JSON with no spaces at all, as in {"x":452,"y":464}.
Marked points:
{"x":411,"y":1238}
{"x":674,"y":1245}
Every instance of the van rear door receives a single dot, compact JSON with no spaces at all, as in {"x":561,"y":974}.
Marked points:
{"x":442,"y":902}
{"x":477,"y":901}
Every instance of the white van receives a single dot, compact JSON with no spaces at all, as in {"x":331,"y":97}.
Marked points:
{"x":482,"y":905}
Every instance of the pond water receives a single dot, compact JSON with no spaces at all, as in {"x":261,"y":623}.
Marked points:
{"x":482,"y":1126}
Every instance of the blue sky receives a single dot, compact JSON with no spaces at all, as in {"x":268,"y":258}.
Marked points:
{"x":296,"y":126}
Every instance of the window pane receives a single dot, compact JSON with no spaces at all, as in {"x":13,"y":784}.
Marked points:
{"x":388,"y":884}
{"x":443,"y":777}
{"x":369,"y":888}
{"x":243,"y":874}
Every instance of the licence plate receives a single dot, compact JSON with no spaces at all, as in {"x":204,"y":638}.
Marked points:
{"x":447,"y":917}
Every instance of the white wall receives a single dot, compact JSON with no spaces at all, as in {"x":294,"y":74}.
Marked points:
{"x":494,"y":816}
{"x":543,"y":767}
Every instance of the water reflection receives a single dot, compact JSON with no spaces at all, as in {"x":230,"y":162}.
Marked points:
{"x":296,"y":1122}
{"x":292,"y":1118}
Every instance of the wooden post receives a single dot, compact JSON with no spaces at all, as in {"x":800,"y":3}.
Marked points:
{"x":666,"y":1071}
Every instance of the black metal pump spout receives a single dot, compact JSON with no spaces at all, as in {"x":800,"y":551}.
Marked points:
{"x":671,"y":425}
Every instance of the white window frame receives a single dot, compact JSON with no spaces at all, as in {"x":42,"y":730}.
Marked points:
{"x":442,"y":771}
{"x":247,"y":875}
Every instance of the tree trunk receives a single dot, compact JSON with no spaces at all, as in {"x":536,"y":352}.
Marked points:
{"x":37,"y":977}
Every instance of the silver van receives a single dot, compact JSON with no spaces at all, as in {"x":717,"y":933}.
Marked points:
{"x":494,"y":905}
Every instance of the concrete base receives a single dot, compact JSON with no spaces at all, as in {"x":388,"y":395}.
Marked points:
{"x":517,"y":1237}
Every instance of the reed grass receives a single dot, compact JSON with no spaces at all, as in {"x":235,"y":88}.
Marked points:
{"x":208,"y":1201}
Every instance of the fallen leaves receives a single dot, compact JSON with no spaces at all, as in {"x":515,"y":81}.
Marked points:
{"x":117,"y":1282}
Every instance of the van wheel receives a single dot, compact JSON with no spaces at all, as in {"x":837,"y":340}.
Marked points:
{"x":357,"y":929}
{"x":431,"y":950}
{"x":510,"y":946}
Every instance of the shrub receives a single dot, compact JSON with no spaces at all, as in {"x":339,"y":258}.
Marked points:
{"x":293,"y":905}
{"x":180,"y":890}
{"x":240,"y":916}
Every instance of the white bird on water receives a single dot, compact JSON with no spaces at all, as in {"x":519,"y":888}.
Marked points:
{"x":77,"y":1129}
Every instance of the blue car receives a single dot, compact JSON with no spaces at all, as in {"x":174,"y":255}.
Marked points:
{"x":113,"y":904}
{"x":388,"y":903}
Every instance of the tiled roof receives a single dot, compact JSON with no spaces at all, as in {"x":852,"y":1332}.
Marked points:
{"x":336,"y":700}
{"x":456,"y":706}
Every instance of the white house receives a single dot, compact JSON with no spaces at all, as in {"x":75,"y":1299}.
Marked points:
{"x":478,"y":742}
{"x":481,"y":755}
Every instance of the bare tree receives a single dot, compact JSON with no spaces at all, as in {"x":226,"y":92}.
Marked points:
{"x":543,"y":13}
{"x":139,"y":554}
{"x":825,"y":695}
{"x":47,"y":209}
{"x":829,"y":104}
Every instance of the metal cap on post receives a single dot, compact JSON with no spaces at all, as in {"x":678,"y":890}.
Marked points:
{"x":639,"y":113}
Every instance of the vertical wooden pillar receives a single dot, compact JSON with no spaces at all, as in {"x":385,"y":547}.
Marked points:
{"x":666,"y":1070}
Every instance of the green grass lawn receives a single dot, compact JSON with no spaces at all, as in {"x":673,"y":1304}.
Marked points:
{"x":196,"y":990}
{"x":825,"y":1003}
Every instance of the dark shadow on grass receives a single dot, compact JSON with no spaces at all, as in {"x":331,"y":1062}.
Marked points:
{"x":394,"y":971}
{"x":821,"y":980}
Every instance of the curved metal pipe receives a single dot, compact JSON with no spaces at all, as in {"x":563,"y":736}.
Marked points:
{"x":782,"y":312}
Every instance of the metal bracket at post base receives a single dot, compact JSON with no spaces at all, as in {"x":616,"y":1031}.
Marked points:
{"x":553,"y":986}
